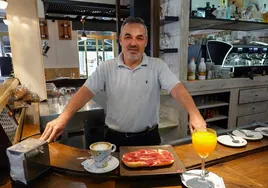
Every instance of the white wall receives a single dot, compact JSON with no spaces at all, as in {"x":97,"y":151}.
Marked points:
{"x":40,"y":8}
{"x":62,"y":53}
{"x":24,"y":34}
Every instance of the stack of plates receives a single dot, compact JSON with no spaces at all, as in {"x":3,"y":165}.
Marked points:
{"x":262,"y":130}
{"x":241,"y":133}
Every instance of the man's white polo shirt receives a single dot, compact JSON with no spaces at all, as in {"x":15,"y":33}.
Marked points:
{"x":133,"y":96}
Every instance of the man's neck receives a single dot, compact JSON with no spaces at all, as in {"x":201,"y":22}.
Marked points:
{"x":131,"y":64}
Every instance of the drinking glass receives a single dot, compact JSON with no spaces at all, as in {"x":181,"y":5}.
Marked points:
{"x":204,"y":142}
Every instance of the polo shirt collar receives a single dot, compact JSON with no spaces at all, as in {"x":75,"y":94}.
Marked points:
{"x":120,"y":62}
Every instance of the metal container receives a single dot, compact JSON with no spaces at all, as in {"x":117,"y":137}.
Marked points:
{"x":28,"y":159}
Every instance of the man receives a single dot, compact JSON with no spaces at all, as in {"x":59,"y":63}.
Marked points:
{"x":132,"y":82}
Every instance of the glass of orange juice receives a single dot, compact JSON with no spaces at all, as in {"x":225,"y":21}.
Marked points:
{"x":204,"y":142}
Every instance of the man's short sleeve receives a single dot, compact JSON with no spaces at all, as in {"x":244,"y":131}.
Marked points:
{"x":96,"y":82}
{"x":167,"y":78}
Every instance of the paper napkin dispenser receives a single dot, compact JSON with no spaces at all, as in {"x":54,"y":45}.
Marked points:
{"x":28,"y":160}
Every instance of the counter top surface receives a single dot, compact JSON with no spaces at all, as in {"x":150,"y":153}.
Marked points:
{"x":55,"y":106}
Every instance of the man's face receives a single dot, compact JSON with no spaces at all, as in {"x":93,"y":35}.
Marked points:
{"x":133,"y":40}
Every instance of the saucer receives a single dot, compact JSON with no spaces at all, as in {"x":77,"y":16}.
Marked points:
{"x":90,"y":167}
{"x":218,"y":181}
{"x":227,"y":141}
{"x":256,"y":135}
{"x":260,"y":129}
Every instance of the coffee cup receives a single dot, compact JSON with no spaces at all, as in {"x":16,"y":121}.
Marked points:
{"x":101,"y":152}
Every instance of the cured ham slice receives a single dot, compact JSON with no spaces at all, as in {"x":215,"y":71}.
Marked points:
{"x":147,"y":158}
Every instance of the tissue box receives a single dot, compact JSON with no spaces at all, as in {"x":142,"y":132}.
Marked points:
{"x":28,"y":159}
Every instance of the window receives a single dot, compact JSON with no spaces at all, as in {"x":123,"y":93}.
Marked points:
{"x":99,"y":46}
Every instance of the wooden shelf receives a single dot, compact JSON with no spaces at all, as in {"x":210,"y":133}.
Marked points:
{"x":216,"y":118}
{"x":169,"y":19}
{"x":166,"y":123}
{"x":65,"y":30}
{"x":43,"y":29}
{"x":211,"y":105}
{"x":197,"y":23}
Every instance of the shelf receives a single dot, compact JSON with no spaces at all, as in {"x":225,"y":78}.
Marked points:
{"x":169,"y":19}
{"x":166,"y":123}
{"x":197,"y":23}
{"x":216,"y":118}
{"x":169,"y":50}
{"x":211,"y":105}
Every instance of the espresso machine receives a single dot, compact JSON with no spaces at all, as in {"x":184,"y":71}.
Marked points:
{"x":244,"y":60}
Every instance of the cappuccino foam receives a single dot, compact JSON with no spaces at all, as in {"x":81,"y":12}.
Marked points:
{"x":101,"y":146}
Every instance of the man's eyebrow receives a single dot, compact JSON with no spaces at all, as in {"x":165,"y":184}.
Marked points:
{"x":140,"y":36}
{"x":128,"y":34}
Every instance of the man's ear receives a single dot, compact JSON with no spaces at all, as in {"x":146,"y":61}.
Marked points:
{"x":120,"y":39}
{"x":146,"y":41}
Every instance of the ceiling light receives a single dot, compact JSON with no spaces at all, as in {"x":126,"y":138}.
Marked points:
{"x":84,"y":36}
{"x":5,"y":20}
{"x":3,"y":4}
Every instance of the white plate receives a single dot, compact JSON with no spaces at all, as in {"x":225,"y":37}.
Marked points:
{"x":227,"y":140}
{"x":218,"y":181}
{"x":256,"y":135}
{"x":259,"y":129}
{"x":90,"y":167}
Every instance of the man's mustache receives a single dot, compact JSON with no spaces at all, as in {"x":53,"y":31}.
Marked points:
{"x":132,"y":48}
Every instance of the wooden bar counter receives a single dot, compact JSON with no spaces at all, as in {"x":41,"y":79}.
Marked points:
{"x":240,"y":167}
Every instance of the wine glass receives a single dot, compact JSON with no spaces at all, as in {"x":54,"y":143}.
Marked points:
{"x":204,"y":142}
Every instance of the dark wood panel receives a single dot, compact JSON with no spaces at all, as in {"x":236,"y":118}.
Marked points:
{"x":155,"y":28}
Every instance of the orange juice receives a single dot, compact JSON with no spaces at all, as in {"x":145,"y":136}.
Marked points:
{"x":204,"y":143}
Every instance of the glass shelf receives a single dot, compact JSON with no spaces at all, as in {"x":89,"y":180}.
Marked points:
{"x":197,"y":23}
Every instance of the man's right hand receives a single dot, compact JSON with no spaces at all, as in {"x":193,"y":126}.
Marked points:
{"x":53,"y":130}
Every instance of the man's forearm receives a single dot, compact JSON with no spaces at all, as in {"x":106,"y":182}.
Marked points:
{"x":183,"y":97}
{"x":81,"y":97}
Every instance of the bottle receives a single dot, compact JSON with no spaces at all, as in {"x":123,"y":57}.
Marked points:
{"x":213,"y":11}
{"x":202,"y":69}
{"x":228,"y":13}
{"x":191,"y":70}
{"x":237,"y":15}
{"x":208,"y":10}
{"x":223,"y":10}
{"x":218,"y":11}
{"x":232,"y":10}
{"x":264,"y":13}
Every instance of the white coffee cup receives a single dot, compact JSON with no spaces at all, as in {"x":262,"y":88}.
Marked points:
{"x":101,"y":152}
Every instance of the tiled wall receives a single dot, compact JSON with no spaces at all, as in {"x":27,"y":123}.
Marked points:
{"x":171,"y":8}
{"x":168,"y":107}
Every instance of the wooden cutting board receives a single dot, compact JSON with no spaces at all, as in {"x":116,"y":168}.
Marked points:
{"x":176,"y":168}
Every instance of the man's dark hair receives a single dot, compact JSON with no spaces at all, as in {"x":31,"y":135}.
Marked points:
{"x":131,"y":19}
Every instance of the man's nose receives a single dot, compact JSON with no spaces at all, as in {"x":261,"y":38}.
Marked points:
{"x":133,"y":42}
